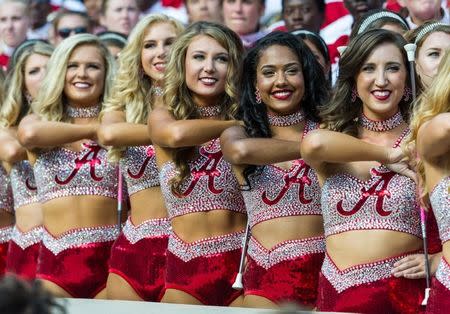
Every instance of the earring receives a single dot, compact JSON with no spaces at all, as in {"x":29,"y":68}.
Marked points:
{"x":257,"y":96}
{"x":407,"y":93}
{"x":354,"y":94}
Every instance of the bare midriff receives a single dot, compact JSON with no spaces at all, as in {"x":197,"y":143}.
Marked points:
{"x":28,"y":217}
{"x":147,"y":204}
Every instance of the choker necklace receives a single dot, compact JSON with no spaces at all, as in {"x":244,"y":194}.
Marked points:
{"x":287,"y":120}
{"x":157,"y":91}
{"x":86,"y":112}
{"x":209,"y":111}
{"x":381,"y":126}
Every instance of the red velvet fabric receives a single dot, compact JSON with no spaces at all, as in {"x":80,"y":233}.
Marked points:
{"x":22,"y":263}
{"x":207,"y":278}
{"x":293,"y":280}
{"x":142,"y":265}
{"x":439,"y":301}
{"x":81,"y":271}
{"x":3,"y":255}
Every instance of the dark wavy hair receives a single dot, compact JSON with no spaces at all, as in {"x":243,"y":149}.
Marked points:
{"x":341,"y":114}
{"x":253,"y":114}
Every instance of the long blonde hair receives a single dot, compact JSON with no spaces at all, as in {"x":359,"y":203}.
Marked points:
{"x":131,"y":88}
{"x":177,"y":95}
{"x":15,"y":105}
{"x":432,"y":102}
{"x":50,"y":101}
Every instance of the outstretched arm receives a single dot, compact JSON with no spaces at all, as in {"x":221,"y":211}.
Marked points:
{"x":166,"y":131}
{"x":239,"y":149}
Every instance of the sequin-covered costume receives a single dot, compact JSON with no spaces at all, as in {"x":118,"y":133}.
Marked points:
{"x":6,"y":204}
{"x":386,"y":201}
{"x":76,"y":260}
{"x":205,"y":268}
{"x":439,"y":301}
{"x":23,"y":247}
{"x":290,"y":270}
{"x":5,"y":236}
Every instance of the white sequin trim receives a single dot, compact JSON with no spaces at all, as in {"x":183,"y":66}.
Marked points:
{"x":147,"y":229}
{"x":287,"y":250}
{"x":27,"y":239}
{"x":443,"y":273}
{"x":5,"y":234}
{"x":204,"y":247}
{"x":78,"y":237}
{"x":359,"y":274}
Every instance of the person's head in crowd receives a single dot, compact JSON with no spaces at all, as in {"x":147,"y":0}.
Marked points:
{"x":242,"y":16}
{"x":432,"y":40}
{"x":14,"y":22}
{"x":93,"y":9}
{"x":422,"y":11}
{"x":119,"y":15}
{"x":319,"y":49}
{"x":204,"y":10}
{"x":358,"y":8}
{"x":115,"y":42}
{"x":29,"y":68}
{"x":39,"y":9}
{"x":88,"y":70}
{"x":69,"y":23}
{"x":377,"y":19}
{"x":303,"y":14}
{"x":373,"y":79}
{"x":20,"y":297}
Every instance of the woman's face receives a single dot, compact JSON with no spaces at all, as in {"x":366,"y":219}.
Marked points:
{"x":319,"y":57}
{"x":121,"y":16}
{"x":206,"y":67}
{"x":381,"y":82}
{"x":157,"y":42}
{"x":85,"y":76}
{"x":279,"y":79}
{"x":430,"y":55}
{"x":34,"y":72}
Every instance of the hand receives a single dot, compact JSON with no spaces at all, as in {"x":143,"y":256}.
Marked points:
{"x":411,"y":267}
{"x":399,"y":163}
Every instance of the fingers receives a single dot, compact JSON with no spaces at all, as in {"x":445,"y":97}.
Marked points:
{"x":411,"y":267}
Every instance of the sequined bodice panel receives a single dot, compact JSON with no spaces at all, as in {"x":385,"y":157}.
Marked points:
{"x":211,"y":184}
{"x":440,"y":202}
{"x":386,"y":201}
{"x":61,"y":172}
{"x":6,"y":198}
{"x":139,"y":168}
{"x":23,"y":184}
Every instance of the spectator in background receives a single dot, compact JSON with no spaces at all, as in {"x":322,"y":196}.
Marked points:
{"x":115,"y":42}
{"x":303,"y":14}
{"x":14,"y":22}
{"x":68,"y":23}
{"x":358,"y":8}
{"x":119,"y":15}
{"x":39,"y":27}
{"x":93,"y":9}
{"x":242,"y":16}
{"x":422,"y":11}
{"x":203,"y":10}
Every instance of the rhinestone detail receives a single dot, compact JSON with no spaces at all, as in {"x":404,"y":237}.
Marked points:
{"x":440,"y":202}
{"x":6,"y":196}
{"x":27,"y":239}
{"x":204,"y":247}
{"x":209,"y":111}
{"x":284,"y":251}
{"x":210,"y":186}
{"x":23,"y":184}
{"x":5,"y":234}
{"x":84,"y":112}
{"x":381,"y":126}
{"x":359,"y":274}
{"x":287,"y":120}
{"x":443,"y":273}
{"x":139,"y":168}
{"x":78,"y":237}
{"x":148,"y":229}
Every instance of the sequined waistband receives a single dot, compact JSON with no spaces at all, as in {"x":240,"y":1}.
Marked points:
{"x":358,"y":274}
{"x":27,"y":239}
{"x":147,"y":229}
{"x":204,"y":247}
{"x":78,"y":237}
{"x":5,"y":234}
{"x":284,"y":251}
{"x":443,"y":273}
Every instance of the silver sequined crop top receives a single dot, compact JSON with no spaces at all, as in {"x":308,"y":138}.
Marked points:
{"x":275,"y":192}
{"x":62,"y":172}
{"x":139,"y":168}
{"x":440,"y":202}
{"x":23,"y":184}
{"x":6,"y":198}
{"x":211,"y":184}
